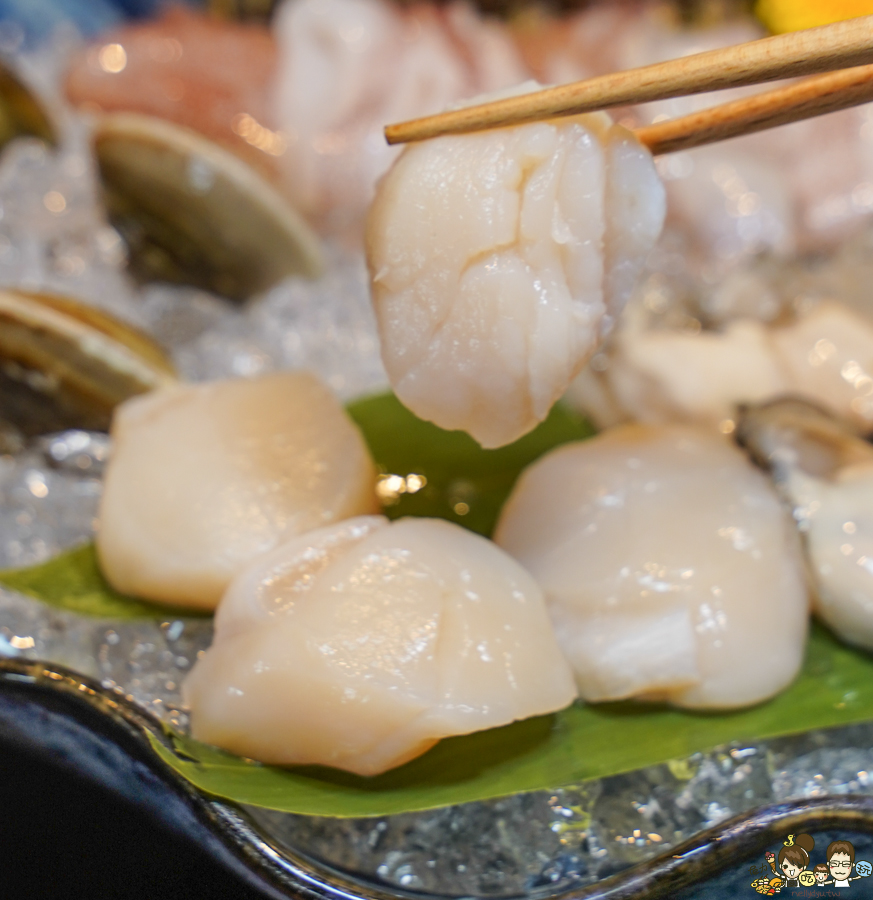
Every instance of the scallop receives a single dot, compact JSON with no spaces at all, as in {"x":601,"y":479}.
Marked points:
{"x":205,"y":478}
{"x":825,"y":472}
{"x":193,"y":213}
{"x":67,"y":365}
{"x":670,"y":569}
{"x":499,"y":260}
{"x":362,"y":644}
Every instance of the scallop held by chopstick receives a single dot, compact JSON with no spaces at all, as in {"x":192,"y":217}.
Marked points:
{"x":500,"y":259}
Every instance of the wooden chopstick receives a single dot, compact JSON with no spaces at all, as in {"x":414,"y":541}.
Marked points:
{"x":811,"y":97}
{"x":824,"y":49}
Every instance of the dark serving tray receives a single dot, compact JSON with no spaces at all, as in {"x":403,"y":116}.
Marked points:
{"x":53,"y":714}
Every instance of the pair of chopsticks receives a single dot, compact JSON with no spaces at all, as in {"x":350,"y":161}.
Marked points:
{"x":846,"y":46}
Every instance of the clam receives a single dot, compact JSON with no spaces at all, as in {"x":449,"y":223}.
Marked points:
{"x":66,"y":365}
{"x":195,"y":214}
{"x":824,"y":471}
{"x":20,"y":112}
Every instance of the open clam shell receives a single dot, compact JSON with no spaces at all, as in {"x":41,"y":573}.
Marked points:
{"x":195,"y":214}
{"x":66,"y":365}
{"x":20,"y":111}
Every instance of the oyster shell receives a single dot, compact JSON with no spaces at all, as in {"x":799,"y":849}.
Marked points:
{"x":824,"y":471}
{"x":20,"y":112}
{"x":193,"y":213}
{"x":67,"y":365}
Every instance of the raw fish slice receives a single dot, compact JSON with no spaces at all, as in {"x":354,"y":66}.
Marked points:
{"x":348,"y":67}
{"x":360,"y":645}
{"x":670,"y":569}
{"x":205,"y":478}
{"x":498,"y":261}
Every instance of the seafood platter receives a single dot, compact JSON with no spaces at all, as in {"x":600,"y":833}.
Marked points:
{"x":486,"y":517}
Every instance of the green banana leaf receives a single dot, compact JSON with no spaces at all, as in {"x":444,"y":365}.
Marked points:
{"x":456,"y":468}
{"x":73,"y":581}
{"x":835,"y":687}
{"x":465,"y":484}
{"x":468,"y":485}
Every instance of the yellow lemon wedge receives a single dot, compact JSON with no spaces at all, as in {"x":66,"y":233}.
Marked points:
{"x":792,"y":15}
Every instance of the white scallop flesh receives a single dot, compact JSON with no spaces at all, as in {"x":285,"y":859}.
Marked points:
{"x":361,"y":644}
{"x":204,"y":478}
{"x":828,"y":355}
{"x":836,"y":516}
{"x":499,"y":260}
{"x":670,"y":569}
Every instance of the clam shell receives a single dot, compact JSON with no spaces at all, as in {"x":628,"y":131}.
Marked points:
{"x":20,"y":112}
{"x":194,"y":213}
{"x":66,"y":365}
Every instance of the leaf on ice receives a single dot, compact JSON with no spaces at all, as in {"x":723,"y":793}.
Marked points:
{"x":73,"y":581}
{"x":461,"y":482}
{"x":834,"y":688}
{"x":456,"y":471}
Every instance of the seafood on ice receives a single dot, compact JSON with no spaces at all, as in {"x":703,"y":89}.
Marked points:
{"x":689,"y":352}
{"x":211,"y":75}
{"x":203,"y":478}
{"x":824,"y":470}
{"x":670,"y":569}
{"x":361,"y":644}
{"x":498,"y":262}
{"x":349,"y":67}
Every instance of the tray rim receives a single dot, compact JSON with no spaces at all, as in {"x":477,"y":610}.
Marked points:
{"x":242,"y":846}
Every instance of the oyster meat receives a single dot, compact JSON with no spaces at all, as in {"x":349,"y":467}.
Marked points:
{"x":824,"y":469}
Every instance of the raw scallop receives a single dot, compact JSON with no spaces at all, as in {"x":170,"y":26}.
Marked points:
{"x":670,"y":569}
{"x":362,"y":644}
{"x":498,"y":262}
{"x":204,"y":478}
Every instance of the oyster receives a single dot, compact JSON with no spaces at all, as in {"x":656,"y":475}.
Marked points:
{"x":824,"y":470}
{"x":67,"y":365}
{"x":193,"y":213}
{"x":20,"y":112}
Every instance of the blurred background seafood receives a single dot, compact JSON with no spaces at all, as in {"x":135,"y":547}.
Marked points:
{"x":758,"y":285}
